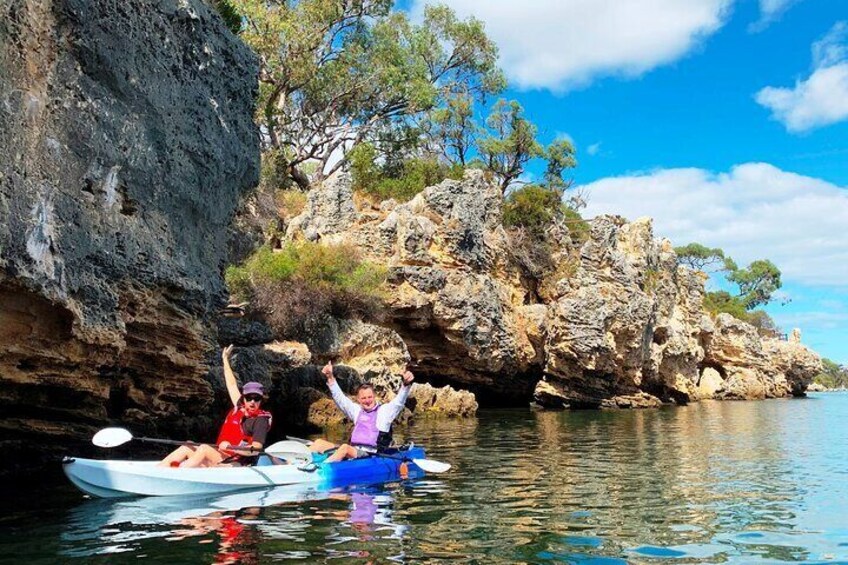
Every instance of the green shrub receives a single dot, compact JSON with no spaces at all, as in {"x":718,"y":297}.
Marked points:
{"x":577,"y":226}
{"x":297,"y":288}
{"x":274,"y":171}
{"x":290,"y":202}
{"x":765,"y":324}
{"x":228,"y":13}
{"x":722,"y":302}
{"x":401,"y":183}
{"x":833,"y":375}
{"x":533,"y":208}
{"x":238,"y":281}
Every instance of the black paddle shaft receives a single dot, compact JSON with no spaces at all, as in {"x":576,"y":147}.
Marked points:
{"x":165,"y":441}
{"x":239,"y":450}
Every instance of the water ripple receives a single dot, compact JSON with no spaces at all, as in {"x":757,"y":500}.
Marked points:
{"x":710,"y":483}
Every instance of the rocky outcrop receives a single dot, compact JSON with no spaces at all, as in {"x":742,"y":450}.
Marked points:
{"x":754,"y":367}
{"x":453,"y":298}
{"x":361,"y":352}
{"x":127,"y":138}
{"x":614,"y":322}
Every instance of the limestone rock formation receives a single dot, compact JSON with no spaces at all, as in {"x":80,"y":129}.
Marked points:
{"x":459,"y":314}
{"x":614,"y":323}
{"x":625,"y":319}
{"x":361,"y":352}
{"x":126,"y":138}
{"x":755,"y":367}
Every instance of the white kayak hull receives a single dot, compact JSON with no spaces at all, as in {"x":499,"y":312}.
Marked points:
{"x":114,"y":478}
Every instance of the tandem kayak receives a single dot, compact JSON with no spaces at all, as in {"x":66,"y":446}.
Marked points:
{"x":116,"y":478}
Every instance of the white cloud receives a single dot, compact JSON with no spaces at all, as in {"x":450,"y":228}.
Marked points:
{"x":815,"y":319}
{"x":770,"y":11}
{"x":754,"y":211}
{"x":594,"y":149}
{"x":562,"y":44}
{"x":821,"y":99}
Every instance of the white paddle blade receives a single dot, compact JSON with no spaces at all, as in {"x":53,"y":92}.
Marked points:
{"x":290,"y":450}
{"x":111,"y":437}
{"x":431,"y":465}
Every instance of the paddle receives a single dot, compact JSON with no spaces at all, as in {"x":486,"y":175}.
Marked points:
{"x":113,"y":437}
{"x":428,"y":465}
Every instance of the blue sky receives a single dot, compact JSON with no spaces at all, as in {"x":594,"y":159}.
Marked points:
{"x":724,"y":120}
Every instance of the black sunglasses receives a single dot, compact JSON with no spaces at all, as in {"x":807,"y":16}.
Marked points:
{"x":253,"y":398}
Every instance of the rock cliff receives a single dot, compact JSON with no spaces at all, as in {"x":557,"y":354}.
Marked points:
{"x":127,"y":142}
{"x":614,"y":322}
{"x":127,"y":138}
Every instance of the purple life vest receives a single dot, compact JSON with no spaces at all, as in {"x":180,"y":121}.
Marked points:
{"x":365,"y":430}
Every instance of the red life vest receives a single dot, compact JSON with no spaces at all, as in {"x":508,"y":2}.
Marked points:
{"x":232,"y":430}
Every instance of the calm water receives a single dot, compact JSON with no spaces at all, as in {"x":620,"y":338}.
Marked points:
{"x":755,"y":482}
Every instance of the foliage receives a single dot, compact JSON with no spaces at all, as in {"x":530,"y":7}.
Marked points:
{"x":756,"y":283}
{"x":560,"y":156}
{"x":274,"y":171}
{"x":533,"y":208}
{"x":401,"y":182}
{"x":290,"y":202}
{"x":228,"y":13}
{"x":833,"y":375}
{"x":452,"y":130}
{"x":701,"y":258}
{"x":509,"y":144}
{"x":764,"y":323}
{"x":334,"y":74}
{"x":721,"y":301}
{"x":299,"y":286}
{"x":578,"y":228}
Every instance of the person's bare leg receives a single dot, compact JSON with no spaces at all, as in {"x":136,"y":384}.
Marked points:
{"x":344,"y":451}
{"x":205,"y":456}
{"x":179,"y":455}
{"x":321,"y":445}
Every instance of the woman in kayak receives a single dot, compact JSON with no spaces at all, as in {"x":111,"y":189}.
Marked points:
{"x":244,"y":430}
{"x":372,"y":421}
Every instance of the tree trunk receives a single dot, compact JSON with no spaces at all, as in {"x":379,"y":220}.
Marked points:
{"x":299,"y":177}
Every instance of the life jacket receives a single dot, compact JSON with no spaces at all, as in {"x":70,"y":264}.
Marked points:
{"x":232,"y":430}
{"x":365,"y":430}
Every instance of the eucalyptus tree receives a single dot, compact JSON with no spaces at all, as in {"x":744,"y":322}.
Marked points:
{"x":335,"y":73}
{"x":509,"y":142}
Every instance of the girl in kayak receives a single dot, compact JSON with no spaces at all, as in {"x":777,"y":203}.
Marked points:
{"x":245,"y":428}
{"x":372,"y":421}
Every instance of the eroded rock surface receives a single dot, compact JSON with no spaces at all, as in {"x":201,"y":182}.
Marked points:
{"x":614,"y":322}
{"x":127,"y":138}
{"x":451,"y":299}
{"x":752,"y":367}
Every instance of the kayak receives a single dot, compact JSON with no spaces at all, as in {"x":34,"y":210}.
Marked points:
{"x":118,"y":478}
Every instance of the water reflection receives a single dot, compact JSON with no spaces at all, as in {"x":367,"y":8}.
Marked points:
{"x":711,"y":483}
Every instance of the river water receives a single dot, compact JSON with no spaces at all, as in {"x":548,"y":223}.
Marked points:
{"x":715,"y":482}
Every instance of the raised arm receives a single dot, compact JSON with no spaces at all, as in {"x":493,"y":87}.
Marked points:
{"x":395,"y":407}
{"x":229,"y":376}
{"x":350,"y":408}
